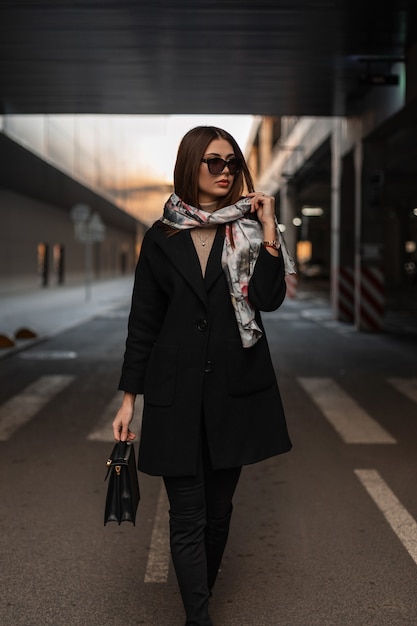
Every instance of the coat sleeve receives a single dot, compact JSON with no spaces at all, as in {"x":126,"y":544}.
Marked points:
{"x":145,"y":320}
{"x":267,"y":286}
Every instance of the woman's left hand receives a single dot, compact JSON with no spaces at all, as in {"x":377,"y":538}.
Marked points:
{"x":264,"y":206}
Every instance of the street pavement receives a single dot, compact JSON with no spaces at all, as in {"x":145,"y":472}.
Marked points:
{"x":52,"y":310}
{"x":49,"y":311}
{"x":325,"y":535}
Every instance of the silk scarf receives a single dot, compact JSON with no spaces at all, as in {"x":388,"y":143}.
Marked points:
{"x":238,"y":258}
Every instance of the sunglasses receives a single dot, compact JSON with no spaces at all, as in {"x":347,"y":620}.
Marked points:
{"x":216,"y":165}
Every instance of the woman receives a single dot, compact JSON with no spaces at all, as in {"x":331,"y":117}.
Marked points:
{"x":197,"y":351}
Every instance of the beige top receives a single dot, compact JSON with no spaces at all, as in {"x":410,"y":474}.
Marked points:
{"x":203,"y":238}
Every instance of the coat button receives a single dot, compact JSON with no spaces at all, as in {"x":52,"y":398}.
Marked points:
{"x":209,"y":367}
{"x":202,"y":325}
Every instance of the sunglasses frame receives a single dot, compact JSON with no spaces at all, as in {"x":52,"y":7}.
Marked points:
{"x":238,"y":160}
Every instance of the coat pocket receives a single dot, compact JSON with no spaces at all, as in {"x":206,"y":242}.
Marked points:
{"x":249,"y":369}
{"x":161,"y":375}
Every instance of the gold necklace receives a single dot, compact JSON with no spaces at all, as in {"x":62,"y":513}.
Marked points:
{"x":204,"y":241}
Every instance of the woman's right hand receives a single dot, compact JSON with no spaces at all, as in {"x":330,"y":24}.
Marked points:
{"x":121,"y":430}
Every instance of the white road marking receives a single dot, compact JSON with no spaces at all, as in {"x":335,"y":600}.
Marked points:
{"x":47,"y":355}
{"x":397,"y":516}
{"x":103,"y":430}
{"x":23,"y":407}
{"x":157,"y":566}
{"x":349,"y":420}
{"x":406,"y":386}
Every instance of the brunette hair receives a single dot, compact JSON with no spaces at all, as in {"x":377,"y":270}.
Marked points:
{"x":190,"y":152}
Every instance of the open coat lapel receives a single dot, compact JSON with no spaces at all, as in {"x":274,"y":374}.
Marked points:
{"x":179,"y":248}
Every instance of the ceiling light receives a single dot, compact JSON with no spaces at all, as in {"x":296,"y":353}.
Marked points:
{"x":380,"y":79}
{"x":312,"y":211}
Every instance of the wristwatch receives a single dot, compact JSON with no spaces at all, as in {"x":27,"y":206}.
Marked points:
{"x":272,"y":244}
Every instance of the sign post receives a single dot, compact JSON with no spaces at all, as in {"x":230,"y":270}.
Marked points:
{"x":88,"y":228}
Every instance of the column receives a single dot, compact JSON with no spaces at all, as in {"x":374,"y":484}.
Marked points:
{"x":369,"y":233}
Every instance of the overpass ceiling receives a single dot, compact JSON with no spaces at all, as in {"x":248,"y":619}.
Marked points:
{"x":290,"y":57}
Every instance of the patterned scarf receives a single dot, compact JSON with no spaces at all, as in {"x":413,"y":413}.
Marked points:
{"x":238,"y":260}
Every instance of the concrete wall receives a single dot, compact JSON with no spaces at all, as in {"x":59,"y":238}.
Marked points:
{"x":27,"y":223}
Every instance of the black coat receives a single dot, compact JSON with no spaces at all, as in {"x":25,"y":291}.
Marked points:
{"x":184,"y":353}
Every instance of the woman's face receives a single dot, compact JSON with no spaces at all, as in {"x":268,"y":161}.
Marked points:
{"x":211,"y":187}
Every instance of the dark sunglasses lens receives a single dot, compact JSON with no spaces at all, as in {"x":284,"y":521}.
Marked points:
{"x":234,"y":165}
{"x":216,"y":165}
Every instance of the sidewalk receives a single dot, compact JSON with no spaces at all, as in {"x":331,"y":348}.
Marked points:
{"x":50,"y":311}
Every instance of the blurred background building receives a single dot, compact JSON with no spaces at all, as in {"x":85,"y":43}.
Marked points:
{"x":119,"y":166}
{"x":321,"y":96}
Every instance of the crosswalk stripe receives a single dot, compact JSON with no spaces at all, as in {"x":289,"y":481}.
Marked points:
{"x":397,"y":516}
{"x":103,"y":430}
{"x":349,"y":419}
{"x":157,"y":566}
{"x":406,"y":386}
{"x":23,"y":407}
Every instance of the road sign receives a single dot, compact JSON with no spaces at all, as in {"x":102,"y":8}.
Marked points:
{"x":88,"y":228}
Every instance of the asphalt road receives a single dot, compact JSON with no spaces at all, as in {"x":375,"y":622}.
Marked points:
{"x":323,"y":536}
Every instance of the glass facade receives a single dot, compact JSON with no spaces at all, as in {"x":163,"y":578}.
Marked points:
{"x":127,"y":159}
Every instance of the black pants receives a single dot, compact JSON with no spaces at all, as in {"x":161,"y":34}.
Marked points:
{"x":200,"y":512}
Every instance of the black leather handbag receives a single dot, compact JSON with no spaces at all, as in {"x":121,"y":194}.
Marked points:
{"x":123,"y":492}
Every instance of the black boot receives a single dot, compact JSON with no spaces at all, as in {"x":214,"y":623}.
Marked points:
{"x":216,"y":534}
{"x":189,"y":558}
